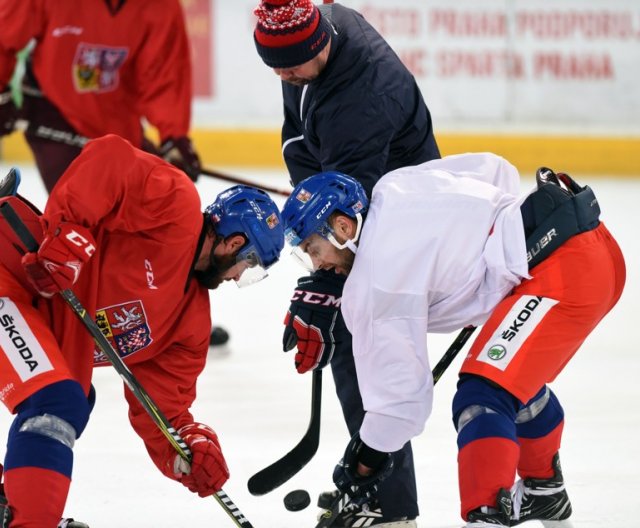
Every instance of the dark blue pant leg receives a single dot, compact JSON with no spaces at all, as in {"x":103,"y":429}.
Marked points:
{"x":397,"y":494}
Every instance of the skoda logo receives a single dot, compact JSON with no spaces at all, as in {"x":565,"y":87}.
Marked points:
{"x":497,"y":352}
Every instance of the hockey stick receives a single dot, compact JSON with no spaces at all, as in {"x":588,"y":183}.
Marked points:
{"x":45,"y":132}
{"x":283,"y":469}
{"x":342,"y":500}
{"x":129,"y":379}
{"x":455,"y":347}
{"x":76,"y":140}
{"x":236,"y":179}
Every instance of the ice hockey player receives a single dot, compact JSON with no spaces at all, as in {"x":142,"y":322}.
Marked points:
{"x":350,"y":104}
{"x":444,"y":245}
{"x":140,"y":255}
{"x":93,"y":71}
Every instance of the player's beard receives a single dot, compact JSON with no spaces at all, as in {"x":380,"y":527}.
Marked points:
{"x":345,"y":265}
{"x":212,"y":277}
{"x":298,"y":81}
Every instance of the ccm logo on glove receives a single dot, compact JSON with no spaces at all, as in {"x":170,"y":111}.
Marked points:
{"x":320,"y":299}
{"x":58,"y":262}
{"x":314,"y":324}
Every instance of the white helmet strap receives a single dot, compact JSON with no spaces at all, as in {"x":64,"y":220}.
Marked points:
{"x":351,"y":243}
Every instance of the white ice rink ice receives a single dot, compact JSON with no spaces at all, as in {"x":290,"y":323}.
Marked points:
{"x":252,"y":396}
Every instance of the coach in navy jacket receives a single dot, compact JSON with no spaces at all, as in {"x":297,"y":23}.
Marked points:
{"x":349,"y":105}
{"x":363,"y":114}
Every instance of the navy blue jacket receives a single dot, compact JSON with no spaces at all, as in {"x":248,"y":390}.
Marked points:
{"x":363,"y":115}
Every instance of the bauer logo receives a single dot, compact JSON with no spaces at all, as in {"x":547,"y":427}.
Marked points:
{"x":19,"y":344}
{"x":125,"y":325}
{"x":516,"y":327}
{"x":542,"y":243}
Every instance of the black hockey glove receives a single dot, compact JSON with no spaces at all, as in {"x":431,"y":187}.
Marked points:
{"x":8,"y":112}
{"x":314,"y":323}
{"x":359,"y":487}
{"x":180,"y":152}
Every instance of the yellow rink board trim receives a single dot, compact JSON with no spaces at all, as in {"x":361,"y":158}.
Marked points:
{"x":618,"y":156}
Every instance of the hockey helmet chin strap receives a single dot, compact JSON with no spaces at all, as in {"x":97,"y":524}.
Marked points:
{"x":351,"y":243}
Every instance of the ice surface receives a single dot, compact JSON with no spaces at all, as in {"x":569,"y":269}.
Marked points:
{"x":252,"y":396}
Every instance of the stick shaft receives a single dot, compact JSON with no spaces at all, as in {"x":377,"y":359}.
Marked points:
{"x":243,"y":181}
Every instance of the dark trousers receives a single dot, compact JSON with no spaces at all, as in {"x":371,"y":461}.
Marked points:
{"x":52,"y":157}
{"x":397,"y":494}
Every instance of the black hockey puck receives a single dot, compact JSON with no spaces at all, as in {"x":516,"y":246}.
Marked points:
{"x":219,"y":336}
{"x":297,"y":500}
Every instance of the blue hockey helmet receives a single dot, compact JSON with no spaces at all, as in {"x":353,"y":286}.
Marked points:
{"x":250,"y":212}
{"x":314,"y":199}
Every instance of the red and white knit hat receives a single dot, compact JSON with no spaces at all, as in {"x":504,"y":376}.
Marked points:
{"x":289,"y":32}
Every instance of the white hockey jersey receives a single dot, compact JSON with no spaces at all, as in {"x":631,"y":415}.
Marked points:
{"x":442,"y":244}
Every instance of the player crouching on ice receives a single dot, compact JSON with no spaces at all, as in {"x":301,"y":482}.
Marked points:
{"x":126,"y":230}
{"x":444,"y":245}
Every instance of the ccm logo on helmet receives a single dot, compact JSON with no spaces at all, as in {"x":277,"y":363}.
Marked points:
{"x":320,"y":299}
{"x":324,"y":209}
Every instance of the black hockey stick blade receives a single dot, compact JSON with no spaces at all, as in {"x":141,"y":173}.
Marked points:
{"x":283,"y":469}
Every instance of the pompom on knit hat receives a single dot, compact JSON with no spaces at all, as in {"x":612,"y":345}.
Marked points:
{"x":289,"y":32}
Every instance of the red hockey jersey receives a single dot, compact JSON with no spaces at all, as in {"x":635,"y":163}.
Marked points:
{"x":104,"y":68}
{"x":146,"y":218}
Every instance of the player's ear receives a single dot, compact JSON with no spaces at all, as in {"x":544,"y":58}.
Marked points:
{"x":233,"y":243}
{"x":344,"y":226}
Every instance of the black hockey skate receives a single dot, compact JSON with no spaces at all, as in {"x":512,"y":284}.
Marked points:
{"x":492,"y":517}
{"x":541,"y":499}
{"x":353,"y":516}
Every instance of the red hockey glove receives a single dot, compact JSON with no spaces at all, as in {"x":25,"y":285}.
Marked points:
{"x":314,"y":323}
{"x":208,"y":470}
{"x":57,"y":264}
{"x":8,"y":112}
{"x":180,"y":152}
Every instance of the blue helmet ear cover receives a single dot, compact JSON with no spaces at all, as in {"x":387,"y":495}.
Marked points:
{"x":250,"y":212}
{"x":314,"y":199}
